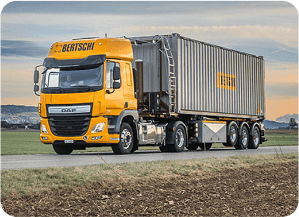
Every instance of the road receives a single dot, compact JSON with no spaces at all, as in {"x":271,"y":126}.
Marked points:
{"x":16,"y":162}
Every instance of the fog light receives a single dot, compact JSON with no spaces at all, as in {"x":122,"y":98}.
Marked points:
{"x":43,"y":129}
{"x":98,"y":127}
{"x":45,"y":138}
{"x":96,"y":138}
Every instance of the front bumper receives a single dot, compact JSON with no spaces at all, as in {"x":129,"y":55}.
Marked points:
{"x":102,"y":137}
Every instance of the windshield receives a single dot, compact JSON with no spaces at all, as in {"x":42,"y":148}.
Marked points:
{"x":73,"y":79}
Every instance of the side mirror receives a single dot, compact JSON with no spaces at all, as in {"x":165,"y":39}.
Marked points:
{"x":36,"y":76}
{"x":36,"y":88}
{"x":116,"y":73}
{"x":116,"y":85}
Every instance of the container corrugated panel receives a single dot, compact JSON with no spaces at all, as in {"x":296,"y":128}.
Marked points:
{"x":211,"y":80}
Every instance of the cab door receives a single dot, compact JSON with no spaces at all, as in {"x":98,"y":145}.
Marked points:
{"x":128,"y":85}
{"x":115,"y":101}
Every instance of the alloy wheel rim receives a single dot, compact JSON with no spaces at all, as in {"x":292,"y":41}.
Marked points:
{"x":126,"y":138}
{"x":179,"y":138}
{"x":233,"y":134}
{"x":256,"y":138}
{"x":244,"y":137}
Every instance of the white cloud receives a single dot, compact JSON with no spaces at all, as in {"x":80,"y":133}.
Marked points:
{"x":200,"y":26}
{"x":284,"y":35}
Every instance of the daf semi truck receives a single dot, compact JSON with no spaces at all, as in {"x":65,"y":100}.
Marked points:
{"x":168,"y":91}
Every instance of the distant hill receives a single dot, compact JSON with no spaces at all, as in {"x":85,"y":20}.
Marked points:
{"x":274,"y":125}
{"x":286,"y":118}
{"x":16,"y":114}
{"x":13,"y":109}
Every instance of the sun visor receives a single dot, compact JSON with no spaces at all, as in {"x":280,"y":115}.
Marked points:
{"x":90,"y":60}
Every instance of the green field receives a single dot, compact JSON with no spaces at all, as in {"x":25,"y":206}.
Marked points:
{"x":13,"y":142}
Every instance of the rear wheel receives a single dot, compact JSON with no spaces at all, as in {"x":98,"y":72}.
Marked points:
{"x":255,"y":138}
{"x":126,"y":141}
{"x":179,"y":140}
{"x":62,"y":149}
{"x":243,"y":140}
{"x":202,"y":146}
{"x":232,"y":134}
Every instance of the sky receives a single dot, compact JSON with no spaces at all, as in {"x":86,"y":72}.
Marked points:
{"x":268,"y":29}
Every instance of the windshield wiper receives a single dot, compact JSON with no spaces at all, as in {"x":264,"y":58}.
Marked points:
{"x":82,"y":88}
{"x":56,"y":90}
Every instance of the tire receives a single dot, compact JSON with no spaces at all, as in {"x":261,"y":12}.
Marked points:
{"x":192,"y":146}
{"x":61,"y":149}
{"x":255,"y":138}
{"x":244,"y":138}
{"x":232,"y":134}
{"x":179,"y":140}
{"x":202,"y":146}
{"x":126,"y":141}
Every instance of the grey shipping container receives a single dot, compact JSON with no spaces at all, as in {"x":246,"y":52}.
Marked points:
{"x":210,"y":80}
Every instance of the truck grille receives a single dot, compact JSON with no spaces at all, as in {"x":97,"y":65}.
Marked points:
{"x":69,"y":125}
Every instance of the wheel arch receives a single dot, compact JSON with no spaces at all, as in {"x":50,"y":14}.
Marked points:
{"x":229,"y":123}
{"x":252,"y":127}
{"x":170,"y":131}
{"x":129,"y":116}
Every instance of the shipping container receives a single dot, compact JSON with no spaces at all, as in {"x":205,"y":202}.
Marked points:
{"x":210,"y":80}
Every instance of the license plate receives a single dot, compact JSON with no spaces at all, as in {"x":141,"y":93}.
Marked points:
{"x":68,"y":141}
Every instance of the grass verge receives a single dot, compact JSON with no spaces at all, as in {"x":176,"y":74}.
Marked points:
{"x":13,"y":143}
{"x":27,"y":181}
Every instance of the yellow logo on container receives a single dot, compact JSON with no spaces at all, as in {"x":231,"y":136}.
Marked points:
{"x":226,"y":81}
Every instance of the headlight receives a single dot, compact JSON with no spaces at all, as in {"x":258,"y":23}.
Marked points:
{"x":43,"y":129}
{"x":98,"y":127}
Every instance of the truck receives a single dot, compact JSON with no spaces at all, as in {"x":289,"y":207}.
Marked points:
{"x":169,"y":91}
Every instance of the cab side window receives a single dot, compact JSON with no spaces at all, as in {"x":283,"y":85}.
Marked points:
{"x":109,"y":74}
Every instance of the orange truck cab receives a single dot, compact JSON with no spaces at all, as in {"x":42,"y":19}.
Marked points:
{"x":87,"y":88}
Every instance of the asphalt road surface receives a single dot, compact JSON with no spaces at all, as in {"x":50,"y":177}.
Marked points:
{"x":16,"y":162}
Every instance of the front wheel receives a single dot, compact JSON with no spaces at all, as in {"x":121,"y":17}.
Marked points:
{"x":61,"y":149}
{"x":126,"y":141}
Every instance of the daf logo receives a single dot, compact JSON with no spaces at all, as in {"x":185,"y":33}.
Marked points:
{"x":68,"y":110}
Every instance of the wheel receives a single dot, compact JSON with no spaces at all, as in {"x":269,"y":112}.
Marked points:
{"x":126,"y":141}
{"x":179,"y":140}
{"x":202,"y":146}
{"x":192,"y":146}
{"x":62,"y":149}
{"x":243,"y":140}
{"x":232,"y":134}
{"x":255,"y":138}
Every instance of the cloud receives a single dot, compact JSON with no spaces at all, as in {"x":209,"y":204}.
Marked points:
{"x":281,"y":73}
{"x":140,"y":7}
{"x":284,"y":35}
{"x":22,"y":48}
{"x":282,"y":91}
